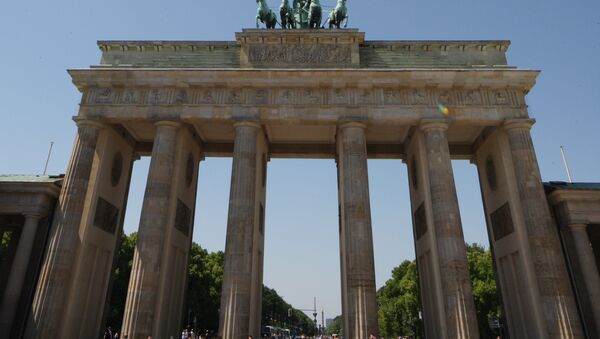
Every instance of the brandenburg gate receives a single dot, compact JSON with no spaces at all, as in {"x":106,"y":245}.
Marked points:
{"x":301,"y":93}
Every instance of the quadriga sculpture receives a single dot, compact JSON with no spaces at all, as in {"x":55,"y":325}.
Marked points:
{"x":265,"y":15}
{"x":287,"y":16}
{"x":315,"y":14}
{"x":338,"y":14}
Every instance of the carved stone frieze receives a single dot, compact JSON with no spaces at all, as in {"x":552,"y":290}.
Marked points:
{"x":298,"y":54}
{"x":395,"y":96}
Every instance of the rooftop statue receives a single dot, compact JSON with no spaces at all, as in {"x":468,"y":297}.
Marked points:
{"x":302,"y":14}
{"x":265,"y":15}
{"x":315,"y":14}
{"x":338,"y":14}
{"x":286,"y":14}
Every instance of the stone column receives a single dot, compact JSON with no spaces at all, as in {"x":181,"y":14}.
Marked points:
{"x":235,"y":315}
{"x":55,"y":276}
{"x":18,"y":270}
{"x":555,"y":290}
{"x":356,"y":237}
{"x":461,"y":318}
{"x":140,"y":308}
{"x":589,"y":270}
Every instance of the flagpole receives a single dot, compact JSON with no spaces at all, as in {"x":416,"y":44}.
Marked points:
{"x":48,"y":158}
{"x":562,"y":152}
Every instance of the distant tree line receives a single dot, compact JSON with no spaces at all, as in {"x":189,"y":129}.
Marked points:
{"x":203,"y":298}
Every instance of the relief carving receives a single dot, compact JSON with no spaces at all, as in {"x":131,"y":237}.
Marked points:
{"x":157,"y":97}
{"x":500,"y":97}
{"x":285,"y":96}
{"x":300,"y":54}
{"x":104,"y":96}
{"x":183,"y":218}
{"x":444,"y":97}
{"x":340,"y":96}
{"x":234,"y":97}
{"x":207,"y":97}
{"x":473,"y":97}
{"x":130,"y":97}
{"x":420,"y":221}
{"x":106,"y":217}
{"x":391,"y":97}
{"x":181,"y":97}
{"x":365,"y":97}
{"x":260,"y":97}
{"x":502,"y":223}
{"x":311,"y":97}
{"x":307,"y":96}
{"x":419,"y":97}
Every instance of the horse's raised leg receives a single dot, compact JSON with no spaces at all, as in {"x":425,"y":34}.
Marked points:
{"x":346,"y":24}
{"x":257,"y":19}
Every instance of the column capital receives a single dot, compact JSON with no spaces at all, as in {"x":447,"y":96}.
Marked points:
{"x":578,"y":226}
{"x":88,"y":122}
{"x":352,"y":124}
{"x":247,"y":123}
{"x":168,"y":123}
{"x":427,"y":124}
{"x":32,"y":215}
{"x":518,"y":123}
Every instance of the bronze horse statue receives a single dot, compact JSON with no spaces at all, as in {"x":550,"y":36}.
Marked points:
{"x":265,"y":15}
{"x":338,"y":14}
{"x":287,"y":15}
{"x":315,"y":14}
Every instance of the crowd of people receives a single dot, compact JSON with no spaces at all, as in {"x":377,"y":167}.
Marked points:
{"x":188,"y":333}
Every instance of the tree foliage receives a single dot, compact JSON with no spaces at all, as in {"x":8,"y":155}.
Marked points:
{"x":399,"y":298}
{"x":120,"y":281}
{"x":337,"y":326}
{"x":203,"y":294}
{"x":399,"y":302}
{"x":205,"y":277}
{"x":483,"y":280}
{"x":275,"y":313}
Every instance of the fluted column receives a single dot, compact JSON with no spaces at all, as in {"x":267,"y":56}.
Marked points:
{"x":555,"y":290}
{"x":461,"y":318}
{"x":356,"y":237}
{"x":56,"y":274}
{"x":234,"y":318}
{"x":18,"y":270}
{"x":142,"y":294}
{"x":589,"y":269}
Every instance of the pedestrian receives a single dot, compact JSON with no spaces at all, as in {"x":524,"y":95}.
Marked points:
{"x":108,"y":333}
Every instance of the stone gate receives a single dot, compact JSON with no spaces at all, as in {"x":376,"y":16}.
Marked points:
{"x":311,"y":94}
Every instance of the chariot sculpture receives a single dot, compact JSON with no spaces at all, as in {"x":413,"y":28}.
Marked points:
{"x":302,"y":14}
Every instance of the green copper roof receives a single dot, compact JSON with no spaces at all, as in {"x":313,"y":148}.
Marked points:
{"x":55,"y":179}
{"x":580,"y":186}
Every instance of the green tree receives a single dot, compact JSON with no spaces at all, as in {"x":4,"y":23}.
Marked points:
{"x":120,"y":281}
{"x":205,"y":277}
{"x":203,"y":298}
{"x":337,"y":326}
{"x":399,"y":301}
{"x":483,"y":280}
{"x":277,"y":312}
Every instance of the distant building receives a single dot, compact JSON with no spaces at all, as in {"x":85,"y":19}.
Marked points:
{"x":328,"y":322}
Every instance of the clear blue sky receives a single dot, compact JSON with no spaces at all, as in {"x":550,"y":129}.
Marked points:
{"x":41,"y":39}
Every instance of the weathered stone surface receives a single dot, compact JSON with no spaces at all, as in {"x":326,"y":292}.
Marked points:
{"x":356,"y":238}
{"x":461,"y":318}
{"x":143,"y":292}
{"x":240,"y":311}
{"x":562,"y":319}
{"x":56,"y":274}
